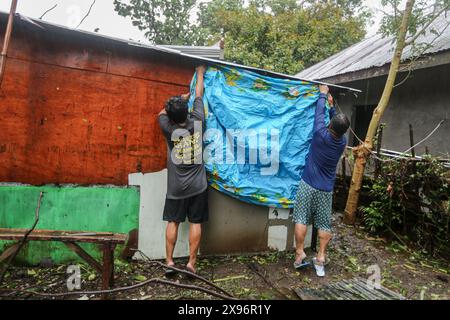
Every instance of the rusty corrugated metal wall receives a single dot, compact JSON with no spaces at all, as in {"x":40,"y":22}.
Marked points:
{"x":82,"y":109}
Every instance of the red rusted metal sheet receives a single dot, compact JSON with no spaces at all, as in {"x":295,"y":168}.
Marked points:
{"x":78,"y":111}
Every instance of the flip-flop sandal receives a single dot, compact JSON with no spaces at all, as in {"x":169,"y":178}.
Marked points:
{"x":169,"y":273}
{"x":319,"y":267}
{"x":301,"y":265}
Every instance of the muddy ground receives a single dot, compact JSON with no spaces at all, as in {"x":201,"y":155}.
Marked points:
{"x":263,"y":276}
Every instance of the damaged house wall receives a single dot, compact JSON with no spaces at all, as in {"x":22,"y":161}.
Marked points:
{"x":422,"y":101}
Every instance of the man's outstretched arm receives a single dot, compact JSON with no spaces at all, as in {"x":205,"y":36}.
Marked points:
{"x":199,"y":110}
{"x":199,"y":89}
{"x":319,"y":118}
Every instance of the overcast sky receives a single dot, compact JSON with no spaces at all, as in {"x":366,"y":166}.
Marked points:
{"x":71,"y":12}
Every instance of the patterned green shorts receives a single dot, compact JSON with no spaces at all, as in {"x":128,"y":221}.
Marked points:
{"x":313,"y":203}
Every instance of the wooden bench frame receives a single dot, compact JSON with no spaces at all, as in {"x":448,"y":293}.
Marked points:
{"x":107,"y":240}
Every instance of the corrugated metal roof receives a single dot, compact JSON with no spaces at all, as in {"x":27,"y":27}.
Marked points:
{"x":376,"y":51}
{"x":212,"y":52}
{"x":351,"y":289}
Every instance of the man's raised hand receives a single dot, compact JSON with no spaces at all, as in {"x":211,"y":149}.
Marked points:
{"x":324,"y":89}
{"x":186,"y":96}
{"x":201,"y":69}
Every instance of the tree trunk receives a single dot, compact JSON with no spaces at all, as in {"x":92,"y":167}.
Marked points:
{"x":362,"y":151}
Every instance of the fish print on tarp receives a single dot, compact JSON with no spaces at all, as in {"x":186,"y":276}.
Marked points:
{"x":258,"y":133}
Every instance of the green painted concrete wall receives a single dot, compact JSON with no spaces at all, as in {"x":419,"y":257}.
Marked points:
{"x":109,"y":209}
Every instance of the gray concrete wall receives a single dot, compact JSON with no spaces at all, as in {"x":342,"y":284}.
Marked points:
{"x":238,"y":227}
{"x":423,"y":100}
{"x":234,"y":226}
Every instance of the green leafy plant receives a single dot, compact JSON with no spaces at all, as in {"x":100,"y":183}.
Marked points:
{"x":409,"y":199}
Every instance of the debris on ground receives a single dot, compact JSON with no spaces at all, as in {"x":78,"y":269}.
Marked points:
{"x":352,"y":253}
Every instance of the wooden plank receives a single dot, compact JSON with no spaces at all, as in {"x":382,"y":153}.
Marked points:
{"x":9,"y":251}
{"x":130,"y":245}
{"x":54,"y":232}
{"x":84,"y":255}
{"x":43,"y":235}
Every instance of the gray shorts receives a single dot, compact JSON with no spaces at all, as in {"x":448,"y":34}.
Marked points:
{"x":315,"y":204}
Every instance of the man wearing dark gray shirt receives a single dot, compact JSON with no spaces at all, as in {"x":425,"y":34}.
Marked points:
{"x":186,"y":177}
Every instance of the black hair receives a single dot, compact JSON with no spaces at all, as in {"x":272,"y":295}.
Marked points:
{"x":339,"y":124}
{"x":177,"y":109}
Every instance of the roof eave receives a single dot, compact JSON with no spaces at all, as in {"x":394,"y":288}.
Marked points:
{"x":432,"y":60}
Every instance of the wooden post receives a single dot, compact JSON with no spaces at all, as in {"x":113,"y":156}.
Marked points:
{"x":379,"y":141}
{"x":411,"y":140}
{"x":344,"y":173}
{"x":7,"y":38}
{"x":9,"y":252}
{"x":108,"y":267}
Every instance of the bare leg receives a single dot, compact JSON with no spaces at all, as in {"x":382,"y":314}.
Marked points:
{"x":195,"y":233}
{"x":171,"y":240}
{"x":324,"y":238}
{"x":300,"y":234}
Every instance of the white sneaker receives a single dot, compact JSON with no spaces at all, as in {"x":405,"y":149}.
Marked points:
{"x":320,"y":268}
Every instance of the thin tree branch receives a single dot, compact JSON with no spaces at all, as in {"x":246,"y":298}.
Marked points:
{"x":48,"y":11}
{"x":425,"y":27}
{"x":253,"y":267}
{"x":418,"y":55}
{"x":87,"y":14}
{"x":184,"y":272}
{"x":127,"y":288}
